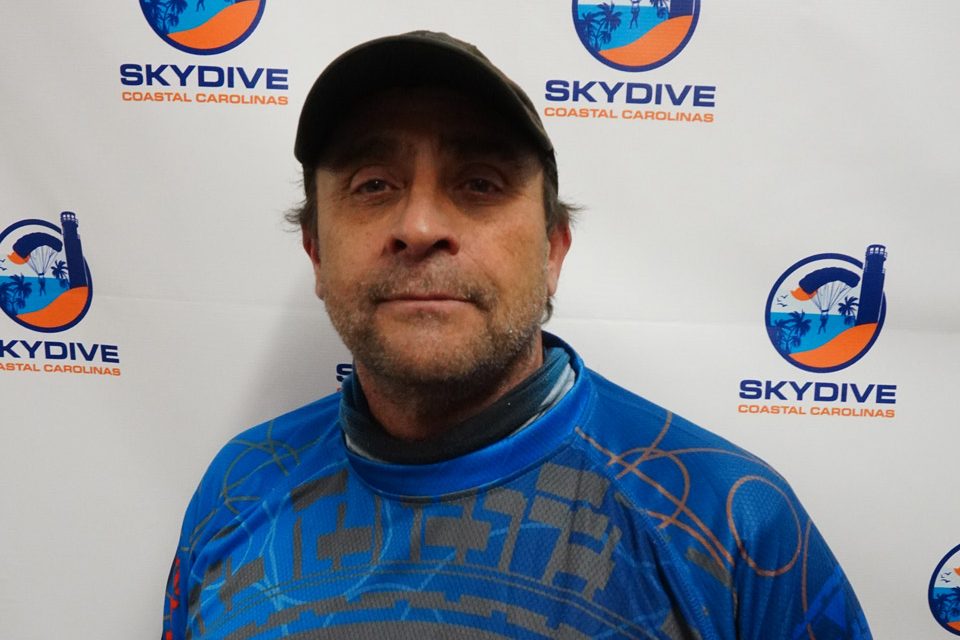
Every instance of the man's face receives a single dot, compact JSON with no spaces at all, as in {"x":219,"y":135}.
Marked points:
{"x":431,"y":251}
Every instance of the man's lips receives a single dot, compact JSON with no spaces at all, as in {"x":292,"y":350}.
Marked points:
{"x":419,"y":303}
{"x":424,"y":297}
{"x":420,"y":291}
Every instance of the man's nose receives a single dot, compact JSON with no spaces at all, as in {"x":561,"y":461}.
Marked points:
{"x":424,"y":224}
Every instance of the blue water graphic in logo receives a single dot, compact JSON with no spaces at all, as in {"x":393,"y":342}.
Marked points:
{"x":826,"y":311}
{"x":638,"y":35}
{"x":943,"y":594}
{"x":45,"y":281}
{"x":203,"y":27}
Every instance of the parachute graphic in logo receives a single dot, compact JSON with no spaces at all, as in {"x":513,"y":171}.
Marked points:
{"x":45,"y":283}
{"x":944,"y":592}
{"x":204,"y":27}
{"x":826,"y":311}
{"x":636,"y":36}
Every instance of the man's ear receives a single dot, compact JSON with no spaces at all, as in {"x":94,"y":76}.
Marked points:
{"x":559,"y":238}
{"x":312,"y":246}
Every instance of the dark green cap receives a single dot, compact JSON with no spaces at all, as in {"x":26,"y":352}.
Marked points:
{"x":415,"y":59}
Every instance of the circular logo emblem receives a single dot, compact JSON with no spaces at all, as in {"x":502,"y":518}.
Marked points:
{"x":203,"y":27}
{"x":45,"y":283}
{"x":826,"y":311}
{"x":638,"y":35}
{"x":944,"y":593}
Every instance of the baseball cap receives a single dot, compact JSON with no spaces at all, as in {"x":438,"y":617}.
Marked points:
{"x":417,"y":58}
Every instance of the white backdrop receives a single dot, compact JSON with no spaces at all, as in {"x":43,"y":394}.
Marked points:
{"x":834,"y":128}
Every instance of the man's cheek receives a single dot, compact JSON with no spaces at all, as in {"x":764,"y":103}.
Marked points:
{"x":318,"y":284}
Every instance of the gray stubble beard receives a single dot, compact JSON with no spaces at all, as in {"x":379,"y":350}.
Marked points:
{"x":467,"y":371}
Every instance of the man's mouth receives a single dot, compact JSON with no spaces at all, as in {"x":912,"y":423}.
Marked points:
{"x":424,"y":289}
{"x":424,"y":297}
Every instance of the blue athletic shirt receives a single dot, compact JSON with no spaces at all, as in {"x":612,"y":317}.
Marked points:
{"x":607,"y":517}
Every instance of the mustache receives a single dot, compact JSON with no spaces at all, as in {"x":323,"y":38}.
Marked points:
{"x":400,"y":282}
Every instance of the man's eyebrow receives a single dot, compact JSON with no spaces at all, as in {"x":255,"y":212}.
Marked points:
{"x":345,"y":153}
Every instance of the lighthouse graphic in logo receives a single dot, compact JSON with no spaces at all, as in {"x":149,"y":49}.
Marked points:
{"x":45,"y":282}
{"x":826,"y":311}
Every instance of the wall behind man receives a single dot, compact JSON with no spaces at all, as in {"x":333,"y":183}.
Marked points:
{"x":822,"y":128}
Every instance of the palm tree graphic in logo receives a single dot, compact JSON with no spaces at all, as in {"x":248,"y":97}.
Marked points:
{"x":656,"y":32}
{"x":201,"y":27}
{"x":788,"y":333}
{"x":21,"y":290}
{"x":944,"y":592}
{"x":59,"y":271}
{"x":846,"y":298}
{"x":34,"y":250}
{"x":848,"y":309}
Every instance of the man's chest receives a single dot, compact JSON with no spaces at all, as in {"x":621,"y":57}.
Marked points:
{"x":332,"y":559}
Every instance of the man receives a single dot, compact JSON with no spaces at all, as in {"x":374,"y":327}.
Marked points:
{"x":474,"y":479}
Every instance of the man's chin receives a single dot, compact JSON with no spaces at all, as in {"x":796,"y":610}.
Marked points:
{"x":432,"y":350}
{"x":421,"y":368}
{"x":436,"y":355}
{"x":441,"y":333}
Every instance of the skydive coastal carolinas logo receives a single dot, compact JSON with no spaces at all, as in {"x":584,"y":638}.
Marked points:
{"x":943,"y":594}
{"x":196,"y":27}
{"x":846,"y":307}
{"x":46,"y":286}
{"x":207,"y":28}
{"x":823,"y":314}
{"x":635,"y":37}
{"x":34,"y":250}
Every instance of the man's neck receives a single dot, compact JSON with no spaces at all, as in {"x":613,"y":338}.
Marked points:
{"x":415,"y":412}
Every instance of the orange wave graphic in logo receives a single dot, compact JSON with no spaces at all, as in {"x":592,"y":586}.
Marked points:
{"x":841,"y":349}
{"x":654,"y":46}
{"x":954,"y":625}
{"x":61,"y":311}
{"x":221,"y":29}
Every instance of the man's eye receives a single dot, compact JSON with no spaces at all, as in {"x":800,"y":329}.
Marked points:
{"x":373,"y":186}
{"x":481,"y":185}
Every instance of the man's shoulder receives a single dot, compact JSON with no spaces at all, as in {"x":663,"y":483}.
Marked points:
{"x":651,"y":453}
{"x":744,"y":542}
{"x":620,"y":416}
{"x":267,"y":458}
{"x":294,"y":429}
